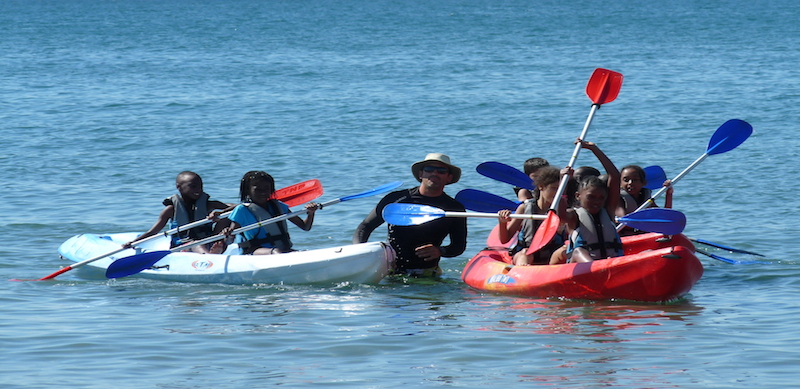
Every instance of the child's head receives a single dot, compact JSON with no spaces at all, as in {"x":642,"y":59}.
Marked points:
{"x":547,"y":179}
{"x":533,"y":164}
{"x":189,"y":185}
{"x":592,"y":193}
{"x":584,"y":171}
{"x":256,"y":186}
{"x":632,"y":179}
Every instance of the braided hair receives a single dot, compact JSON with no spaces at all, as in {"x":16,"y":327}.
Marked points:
{"x":244,"y":187}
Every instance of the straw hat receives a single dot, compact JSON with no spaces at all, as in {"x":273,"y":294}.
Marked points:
{"x":436,"y":157}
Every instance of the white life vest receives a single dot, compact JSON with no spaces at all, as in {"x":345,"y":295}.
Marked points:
{"x":587,"y":235}
{"x":181,"y":216}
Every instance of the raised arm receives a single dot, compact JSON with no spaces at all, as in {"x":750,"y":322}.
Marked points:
{"x":613,"y":176}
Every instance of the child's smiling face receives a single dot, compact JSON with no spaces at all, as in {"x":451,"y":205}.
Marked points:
{"x":190,"y":187}
{"x":631,"y":181}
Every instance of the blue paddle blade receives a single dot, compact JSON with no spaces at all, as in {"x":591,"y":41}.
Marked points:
{"x":660,"y":220}
{"x":401,"y":214}
{"x":127,"y":266}
{"x":729,"y":136}
{"x":505,"y":173}
{"x":655,"y":177}
{"x":480,"y":201}
{"x":381,"y":189}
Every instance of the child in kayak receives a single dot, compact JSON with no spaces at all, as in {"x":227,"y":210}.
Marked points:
{"x":255,"y":191}
{"x":547,"y":180}
{"x":531,"y":167}
{"x":633,"y":194}
{"x":189,"y":205}
{"x":592,"y":230}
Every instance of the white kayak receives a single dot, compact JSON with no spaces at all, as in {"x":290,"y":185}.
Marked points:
{"x":365,"y":263}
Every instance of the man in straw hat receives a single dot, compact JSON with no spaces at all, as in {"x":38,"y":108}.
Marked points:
{"x":419,"y":248}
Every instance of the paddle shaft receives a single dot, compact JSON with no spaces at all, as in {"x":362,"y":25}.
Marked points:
{"x":492,"y":215}
{"x":562,"y":186}
{"x":251,"y":227}
{"x":372,"y":192}
{"x":652,"y":200}
{"x":151,"y":237}
{"x":99,"y":257}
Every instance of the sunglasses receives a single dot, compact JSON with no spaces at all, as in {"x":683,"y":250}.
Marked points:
{"x":437,"y":169}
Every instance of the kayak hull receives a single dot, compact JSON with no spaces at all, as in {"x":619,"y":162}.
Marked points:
{"x":654,"y":269}
{"x":365,"y":263}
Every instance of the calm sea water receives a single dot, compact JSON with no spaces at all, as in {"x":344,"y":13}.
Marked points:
{"x":103,"y":103}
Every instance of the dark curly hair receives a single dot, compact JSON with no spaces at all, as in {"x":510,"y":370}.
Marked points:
{"x":244,"y":187}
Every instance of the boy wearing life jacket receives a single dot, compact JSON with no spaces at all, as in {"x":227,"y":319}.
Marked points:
{"x":255,"y":191}
{"x":592,"y":230}
{"x":633,"y":194}
{"x":547,"y":180}
{"x":189,"y":205}
{"x":531,"y":167}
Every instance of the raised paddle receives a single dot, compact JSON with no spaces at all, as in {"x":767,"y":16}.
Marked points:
{"x":727,"y":137}
{"x":127,"y":266}
{"x":660,"y":220}
{"x":304,"y":192}
{"x":603,"y":87}
{"x":505,"y":173}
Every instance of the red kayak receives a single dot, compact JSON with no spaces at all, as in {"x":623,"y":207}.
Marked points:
{"x":654,"y":268}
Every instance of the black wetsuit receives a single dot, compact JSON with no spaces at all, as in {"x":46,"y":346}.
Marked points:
{"x":405,"y":239}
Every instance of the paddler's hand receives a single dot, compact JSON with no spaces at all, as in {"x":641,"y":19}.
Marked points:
{"x":428,"y":252}
{"x":668,"y":184}
{"x":585,"y":144}
{"x":503,"y":216}
{"x":228,"y":231}
{"x":312,"y":207}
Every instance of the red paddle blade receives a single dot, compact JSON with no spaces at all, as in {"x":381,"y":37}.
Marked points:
{"x":300,"y":193}
{"x":545,"y":233}
{"x":604,"y":86}
{"x":494,"y":239}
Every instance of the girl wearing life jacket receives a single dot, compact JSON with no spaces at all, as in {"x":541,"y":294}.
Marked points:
{"x":592,"y":231}
{"x":189,"y":205}
{"x":255,"y":191}
{"x":633,"y":194}
{"x":547,"y":180}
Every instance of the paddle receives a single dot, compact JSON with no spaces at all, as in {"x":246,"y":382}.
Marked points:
{"x":720,"y":246}
{"x":493,"y":240}
{"x":303,"y":192}
{"x":127,"y":266}
{"x":655,"y":179}
{"x":727,"y":260}
{"x":727,"y":137}
{"x":505,"y":173}
{"x":603,"y":87}
{"x":660,"y":220}
{"x":480,"y":201}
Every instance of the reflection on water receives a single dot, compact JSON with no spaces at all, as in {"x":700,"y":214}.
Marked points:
{"x":598,"y":321}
